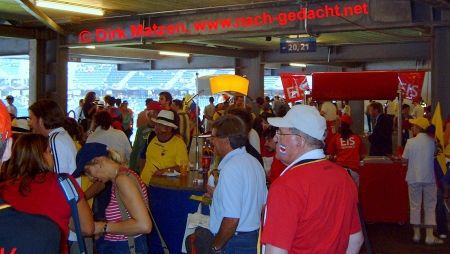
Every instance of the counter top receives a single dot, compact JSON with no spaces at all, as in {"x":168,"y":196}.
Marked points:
{"x":381,"y":160}
{"x":179,"y":182}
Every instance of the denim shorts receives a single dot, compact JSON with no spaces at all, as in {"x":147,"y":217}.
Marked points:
{"x":121,"y":247}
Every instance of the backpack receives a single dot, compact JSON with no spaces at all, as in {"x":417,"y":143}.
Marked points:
{"x":199,"y":242}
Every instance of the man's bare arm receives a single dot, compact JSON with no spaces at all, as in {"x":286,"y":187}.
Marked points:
{"x":226,"y":231}
{"x":270,"y":249}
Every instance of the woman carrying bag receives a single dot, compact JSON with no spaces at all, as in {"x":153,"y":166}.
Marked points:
{"x":127,"y":217}
{"x":31,"y":186}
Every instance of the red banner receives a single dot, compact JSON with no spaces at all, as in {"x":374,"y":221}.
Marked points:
{"x":294,"y":86}
{"x":363,"y":85}
{"x":411,"y":84}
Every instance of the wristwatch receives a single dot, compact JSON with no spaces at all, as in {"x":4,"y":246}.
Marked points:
{"x":105,"y":227}
{"x":214,"y":249}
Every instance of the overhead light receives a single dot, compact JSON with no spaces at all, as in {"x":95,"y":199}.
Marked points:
{"x":294,"y":36}
{"x":90,"y":47}
{"x":170,"y":53}
{"x":70,"y":7}
{"x":302,"y":65}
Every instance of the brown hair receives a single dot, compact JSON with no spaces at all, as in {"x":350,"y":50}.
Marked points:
{"x":90,"y":97}
{"x":233,"y":128}
{"x":377,"y":106}
{"x":166,"y":95}
{"x":103,"y":119}
{"x":27,"y":160}
{"x":50,"y":112}
{"x":72,"y":127}
{"x":244,"y":115}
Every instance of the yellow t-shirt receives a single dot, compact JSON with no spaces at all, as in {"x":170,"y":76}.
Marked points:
{"x":85,"y":182}
{"x":163,"y":155}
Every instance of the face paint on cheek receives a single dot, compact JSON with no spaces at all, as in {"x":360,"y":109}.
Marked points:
{"x":282,"y":149}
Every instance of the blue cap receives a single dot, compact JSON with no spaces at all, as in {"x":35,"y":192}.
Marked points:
{"x":87,"y":153}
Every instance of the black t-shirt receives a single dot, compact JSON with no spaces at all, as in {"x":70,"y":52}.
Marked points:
{"x":27,"y":234}
{"x":253,"y":152}
{"x":87,"y":110}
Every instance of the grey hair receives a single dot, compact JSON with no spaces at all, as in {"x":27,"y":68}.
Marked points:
{"x":310,"y":141}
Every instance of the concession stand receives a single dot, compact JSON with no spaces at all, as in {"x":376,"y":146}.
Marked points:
{"x":170,"y":200}
{"x":383,"y":191}
{"x":170,"y":204}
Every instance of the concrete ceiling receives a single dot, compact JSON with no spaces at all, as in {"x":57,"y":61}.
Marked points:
{"x":11,"y":9}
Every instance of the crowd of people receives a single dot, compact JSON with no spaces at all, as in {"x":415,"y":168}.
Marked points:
{"x":296,"y":167}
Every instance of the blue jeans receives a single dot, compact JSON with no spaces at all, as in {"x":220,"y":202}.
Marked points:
{"x":242,"y":243}
{"x":121,"y":247}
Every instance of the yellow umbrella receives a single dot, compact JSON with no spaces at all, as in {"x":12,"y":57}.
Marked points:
{"x":229,"y":83}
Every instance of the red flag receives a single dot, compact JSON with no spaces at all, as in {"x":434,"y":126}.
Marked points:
{"x":411,"y":84}
{"x":294,"y":86}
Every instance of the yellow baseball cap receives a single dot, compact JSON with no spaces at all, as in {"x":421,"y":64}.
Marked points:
{"x":422,"y":122}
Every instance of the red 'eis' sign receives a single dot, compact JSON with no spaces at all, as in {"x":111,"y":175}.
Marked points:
{"x":411,"y":84}
{"x":294,"y":86}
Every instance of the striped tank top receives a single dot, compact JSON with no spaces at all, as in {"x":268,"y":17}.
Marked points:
{"x":112,"y":212}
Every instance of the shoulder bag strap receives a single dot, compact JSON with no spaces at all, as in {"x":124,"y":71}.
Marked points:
{"x":163,"y":243}
{"x":124,"y":215}
{"x":72,"y":198}
{"x":121,"y":206}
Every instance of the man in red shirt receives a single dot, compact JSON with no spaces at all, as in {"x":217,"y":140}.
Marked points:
{"x":312,"y":206}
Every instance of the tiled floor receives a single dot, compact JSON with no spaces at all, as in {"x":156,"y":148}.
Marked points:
{"x":394,"y":238}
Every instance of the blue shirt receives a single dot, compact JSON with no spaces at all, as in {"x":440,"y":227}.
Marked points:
{"x":240,"y":193}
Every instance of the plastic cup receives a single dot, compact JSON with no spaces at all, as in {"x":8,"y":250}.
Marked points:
{"x":184,"y":167}
{"x":206,"y":163}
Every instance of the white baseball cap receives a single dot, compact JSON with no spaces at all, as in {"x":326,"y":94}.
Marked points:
{"x":304,"y":118}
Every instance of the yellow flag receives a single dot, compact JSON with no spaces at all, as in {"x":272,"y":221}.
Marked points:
{"x":439,"y":134}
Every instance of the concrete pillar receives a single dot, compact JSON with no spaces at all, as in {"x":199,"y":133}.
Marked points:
{"x":358,"y":115}
{"x":48,"y":71}
{"x":37,"y":70}
{"x":253,"y":69}
{"x":60,"y":73}
{"x":440,"y":76}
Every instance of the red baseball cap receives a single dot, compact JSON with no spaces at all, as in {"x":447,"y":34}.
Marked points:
{"x":154,"y":105}
{"x":346,"y":119}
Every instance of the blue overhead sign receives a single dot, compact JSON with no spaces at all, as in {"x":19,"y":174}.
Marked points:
{"x":298,"y":45}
